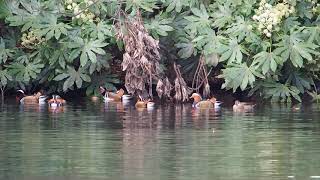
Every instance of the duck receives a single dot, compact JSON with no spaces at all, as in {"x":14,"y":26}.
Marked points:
{"x":141,"y":103}
{"x":209,"y":103}
{"x":243,"y":106}
{"x":94,"y":98}
{"x":56,"y":101}
{"x":110,"y":96}
{"x":37,"y":98}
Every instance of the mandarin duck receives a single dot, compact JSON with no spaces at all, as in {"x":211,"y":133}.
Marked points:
{"x":110,"y":96}
{"x":56,"y":101}
{"x":37,"y":98}
{"x":209,"y":103}
{"x":144,"y":103}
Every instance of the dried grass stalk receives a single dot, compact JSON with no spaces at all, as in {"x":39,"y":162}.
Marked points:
{"x":164,"y":88}
{"x":141,"y":57}
{"x":200,"y":78}
{"x":182,"y":91}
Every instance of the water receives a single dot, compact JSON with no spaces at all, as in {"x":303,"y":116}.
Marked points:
{"x":116,"y":141}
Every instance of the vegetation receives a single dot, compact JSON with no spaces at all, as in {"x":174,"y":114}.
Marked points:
{"x":270,"y":47}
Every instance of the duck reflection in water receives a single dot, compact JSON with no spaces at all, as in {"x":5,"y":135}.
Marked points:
{"x":139,"y":118}
{"x":202,"y":117}
{"x":114,"y":106}
{"x":32,"y":107}
{"x":56,"y":109}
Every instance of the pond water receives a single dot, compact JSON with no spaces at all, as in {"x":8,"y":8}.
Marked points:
{"x":116,"y":141}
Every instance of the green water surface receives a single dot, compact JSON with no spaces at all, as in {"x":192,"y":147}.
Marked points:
{"x":117,"y":141}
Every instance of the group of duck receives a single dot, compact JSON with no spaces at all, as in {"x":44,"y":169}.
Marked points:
{"x":39,"y":98}
{"x":120,"y":96}
{"x":198,"y":102}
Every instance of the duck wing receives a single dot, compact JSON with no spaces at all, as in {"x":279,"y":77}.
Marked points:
{"x":204,"y":104}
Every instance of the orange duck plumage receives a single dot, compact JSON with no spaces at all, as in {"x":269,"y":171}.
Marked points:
{"x":144,"y":103}
{"x":31,"y":99}
{"x":56,"y":100}
{"x":209,"y":103}
{"x":110,"y":96}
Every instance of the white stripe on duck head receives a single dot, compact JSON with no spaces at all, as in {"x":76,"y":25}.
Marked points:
{"x":196,"y":98}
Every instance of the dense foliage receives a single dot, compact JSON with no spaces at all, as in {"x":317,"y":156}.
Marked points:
{"x":269,"y":47}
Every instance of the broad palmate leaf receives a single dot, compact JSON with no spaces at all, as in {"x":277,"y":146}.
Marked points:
{"x":4,"y":77}
{"x":51,"y":28}
{"x":293,"y":47}
{"x":24,"y":72}
{"x":88,"y":48}
{"x":231,"y":52}
{"x":73,"y":77}
{"x":239,"y":75}
{"x":267,"y":61}
{"x":4,"y":53}
{"x":199,"y":20}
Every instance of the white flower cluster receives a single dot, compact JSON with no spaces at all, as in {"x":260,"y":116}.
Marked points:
{"x":269,"y":16}
{"x":315,"y":6}
{"x":80,"y":9}
{"x":30,"y":40}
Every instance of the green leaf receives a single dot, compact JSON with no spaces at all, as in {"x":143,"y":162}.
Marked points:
{"x":159,"y":25}
{"x":199,"y":21}
{"x":106,"y":80}
{"x":267,"y":61}
{"x":300,"y":80}
{"x":232,"y":52}
{"x":72,"y":77}
{"x":60,"y":56}
{"x":296,"y":49}
{"x":239,"y":75}
{"x":51,"y":28}
{"x":4,"y":53}
{"x":147,"y":5}
{"x":87,"y":48}
{"x":222,"y":16}
{"x":25,"y":72}
{"x":5,"y":77}
{"x":175,"y":5}
{"x":212,"y":59}
{"x":240,"y":29}
{"x":186,"y":46}
{"x":102,"y":62}
{"x":26,"y":13}
{"x":4,"y":9}
{"x":290,"y":23}
{"x":101,"y":30}
{"x":277,"y":91}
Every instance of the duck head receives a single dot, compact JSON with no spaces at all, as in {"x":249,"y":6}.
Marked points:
{"x":196,"y":97}
{"x":237,"y":102}
{"x":213,"y":100}
{"x":38,"y":94}
{"x":120,"y":92}
{"x":140,"y":103}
